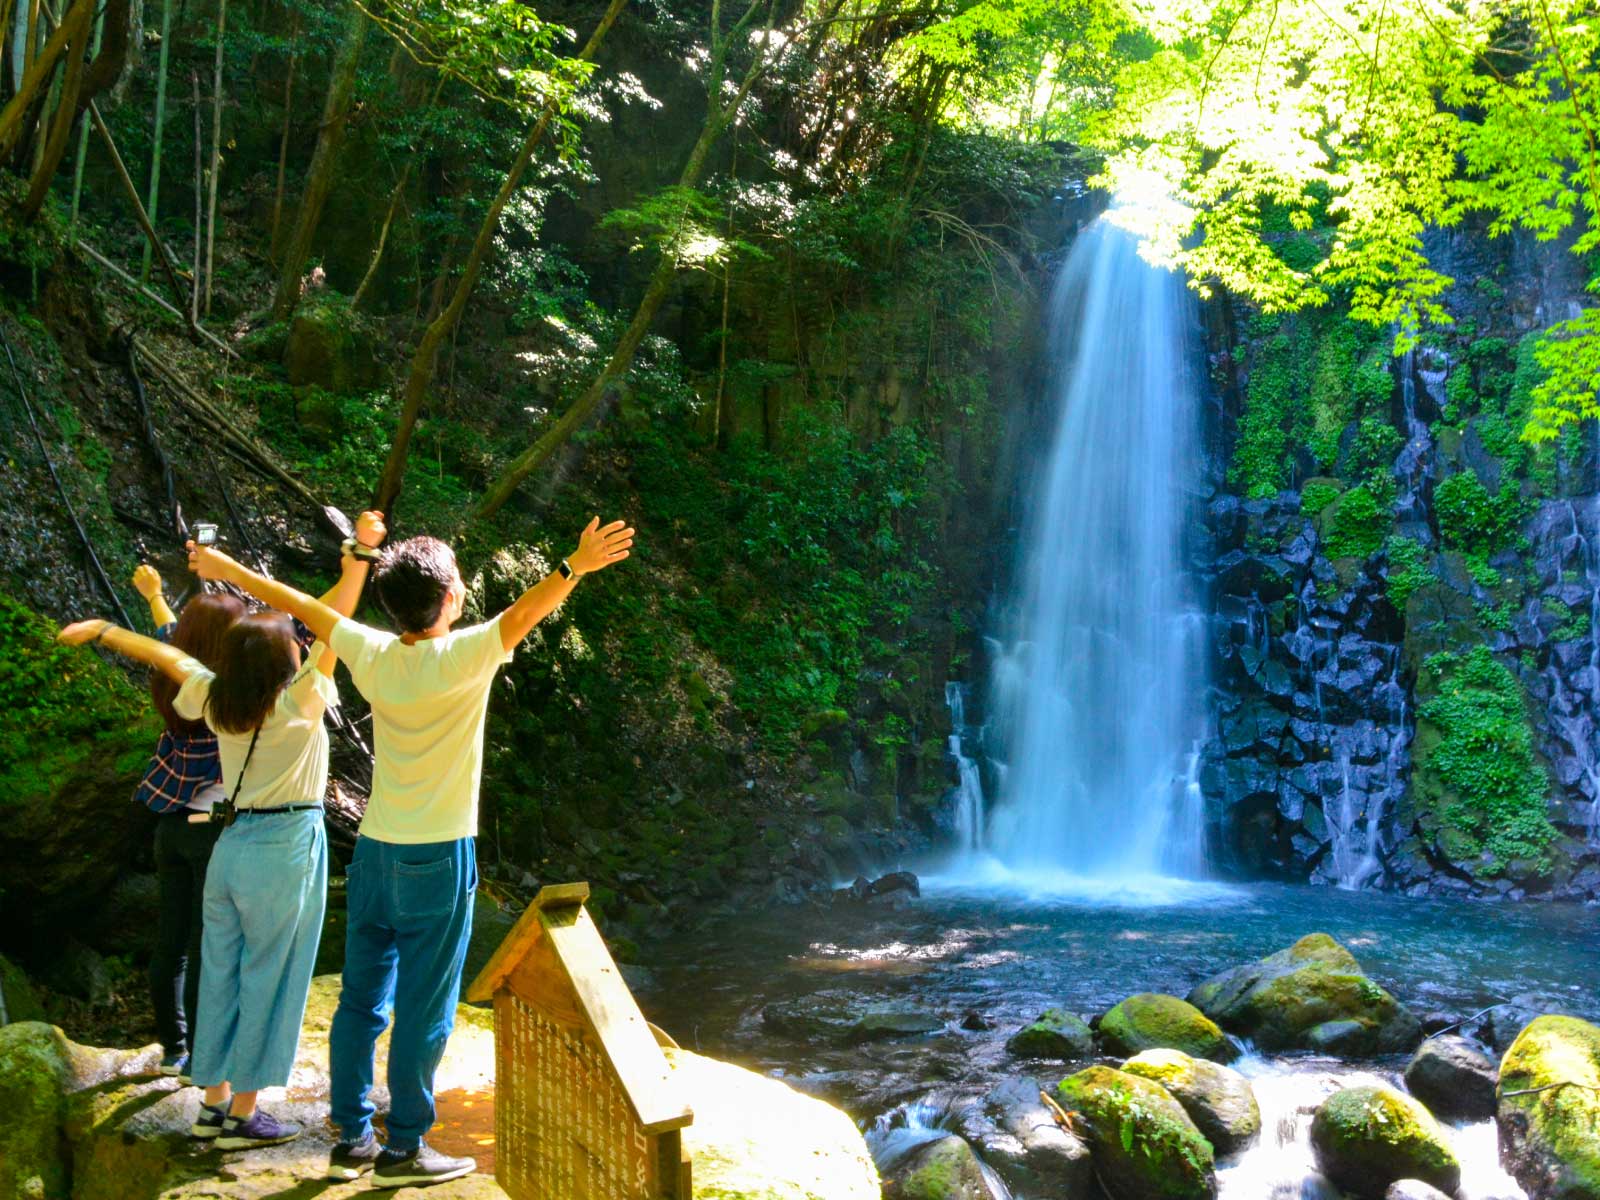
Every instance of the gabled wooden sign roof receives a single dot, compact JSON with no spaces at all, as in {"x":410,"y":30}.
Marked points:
{"x":565,"y":961}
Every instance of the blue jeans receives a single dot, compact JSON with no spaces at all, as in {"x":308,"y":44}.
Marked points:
{"x":266,"y":890}
{"x":409,"y":921}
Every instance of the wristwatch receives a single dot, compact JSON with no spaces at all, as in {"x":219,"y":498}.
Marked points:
{"x":567,"y":572}
{"x":360,"y":550}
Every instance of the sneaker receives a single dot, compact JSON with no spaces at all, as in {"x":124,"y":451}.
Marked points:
{"x":352,"y":1160}
{"x":209,"y":1122}
{"x":418,"y":1168}
{"x":258,"y":1129}
{"x":175,"y":1064}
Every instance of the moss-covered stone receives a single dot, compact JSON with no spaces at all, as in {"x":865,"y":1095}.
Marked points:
{"x":1056,"y":1034}
{"x":21,"y":1002}
{"x":887,"y":1023}
{"x":34,"y":1073}
{"x":1367,"y":1138}
{"x":1281,"y":999}
{"x":1145,"y":1146}
{"x":946,"y":1169}
{"x":1218,"y":1099}
{"x":329,"y":346}
{"x":1151,"y":1021}
{"x":1550,"y":1139}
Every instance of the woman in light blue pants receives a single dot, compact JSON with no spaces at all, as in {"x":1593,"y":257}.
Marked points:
{"x":266,"y":884}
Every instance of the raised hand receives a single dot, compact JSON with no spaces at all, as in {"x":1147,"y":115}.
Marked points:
{"x":370,"y":529}
{"x":208,"y":562}
{"x":147,"y":581}
{"x":80,"y":632}
{"x":600,"y":546}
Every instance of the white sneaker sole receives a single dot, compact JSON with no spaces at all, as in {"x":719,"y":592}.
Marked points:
{"x":400,"y":1181}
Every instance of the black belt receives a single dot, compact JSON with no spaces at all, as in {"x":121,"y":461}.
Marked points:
{"x":282,"y":808}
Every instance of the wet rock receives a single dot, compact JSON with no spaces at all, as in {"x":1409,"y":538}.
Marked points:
{"x":1218,"y":1099}
{"x":1056,"y":1034}
{"x":1337,"y":1038}
{"x":18,"y":1000}
{"x":974,"y":1021}
{"x":1279,"y":1000}
{"x":1021,"y":1139}
{"x":884,"y":1024}
{"x":1413,"y":1189}
{"x":79,"y":971}
{"x":810,"y":1018}
{"x":864,"y":889}
{"x":1550,"y":1139}
{"x":1145,"y":1146}
{"x":1454,"y":1078}
{"x":1366,"y":1138}
{"x":946,"y":1169}
{"x":1150,"y":1021}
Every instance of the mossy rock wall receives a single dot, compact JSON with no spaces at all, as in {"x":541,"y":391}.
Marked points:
{"x":1550,"y":1134}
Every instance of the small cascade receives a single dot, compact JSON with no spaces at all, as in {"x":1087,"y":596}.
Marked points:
{"x":969,"y":806}
{"x":1573,"y":710}
{"x":906,"y":1127}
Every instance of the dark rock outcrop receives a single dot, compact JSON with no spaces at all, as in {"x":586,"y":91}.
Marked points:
{"x":1454,"y":1078}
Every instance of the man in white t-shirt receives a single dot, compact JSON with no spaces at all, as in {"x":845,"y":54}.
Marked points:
{"x":414,"y":872}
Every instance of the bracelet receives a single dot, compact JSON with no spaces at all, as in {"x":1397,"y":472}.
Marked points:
{"x":104,"y":629}
{"x":360,"y":550}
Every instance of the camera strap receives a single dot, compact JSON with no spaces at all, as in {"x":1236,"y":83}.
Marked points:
{"x":230,"y":811}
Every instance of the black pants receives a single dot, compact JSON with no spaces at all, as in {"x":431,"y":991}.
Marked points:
{"x":182,"y":851}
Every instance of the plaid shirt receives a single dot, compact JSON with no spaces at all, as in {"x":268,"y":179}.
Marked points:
{"x":187,"y":763}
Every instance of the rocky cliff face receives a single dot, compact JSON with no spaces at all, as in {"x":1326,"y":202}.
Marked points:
{"x":1406,"y":598}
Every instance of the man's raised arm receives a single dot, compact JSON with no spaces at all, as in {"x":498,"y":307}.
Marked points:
{"x":211,"y":563}
{"x":597,"y":548}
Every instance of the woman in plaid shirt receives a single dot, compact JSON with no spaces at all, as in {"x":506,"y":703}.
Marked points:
{"x":183,"y":781}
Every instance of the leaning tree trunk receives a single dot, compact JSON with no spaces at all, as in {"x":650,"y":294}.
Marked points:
{"x":335,"y":113}
{"x":153,"y":204}
{"x":424,"y":361}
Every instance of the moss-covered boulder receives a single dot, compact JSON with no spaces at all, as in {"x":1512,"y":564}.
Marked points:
{"x":329,"y":346}
{"x":1366,"y":1138}
{"x":1145,"y":1146}
{"x":1550,"y":1139}
{"x":75,"y":738}
{"x":1218,"y":1099}
{"x":946,"y":1169}
{"x":1151,"y":1021}
{"x":1280,"y":1002}
{"x":18,"y":1000}
{"x":1056,"y":1034}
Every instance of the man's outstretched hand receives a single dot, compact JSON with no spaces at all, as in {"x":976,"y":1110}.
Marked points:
{"x":600,"y":546}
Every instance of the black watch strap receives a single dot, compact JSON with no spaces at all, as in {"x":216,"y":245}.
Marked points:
{"x":361,"y":550}
{"x":567,"y":572}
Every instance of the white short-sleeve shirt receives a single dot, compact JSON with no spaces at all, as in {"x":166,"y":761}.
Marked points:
{"x":429,"y":701}
{"x":290,"y":761}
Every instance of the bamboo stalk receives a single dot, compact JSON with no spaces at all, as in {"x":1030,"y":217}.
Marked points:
{"x":216,"y":151}
{"x":160,"y":125}
{"x":133,"y":196}
{"x":199,"y":197}
{"x":83,"y":130}
{"x":283,"y":142}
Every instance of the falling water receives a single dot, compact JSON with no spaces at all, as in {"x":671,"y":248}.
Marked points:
{"x":969,"y":786}
{"x":1096,"y":686}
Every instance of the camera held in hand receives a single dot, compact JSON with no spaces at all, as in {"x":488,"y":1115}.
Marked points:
{"x":204,"y":534}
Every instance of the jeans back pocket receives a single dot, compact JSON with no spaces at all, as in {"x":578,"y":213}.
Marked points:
{"x":423,"y":890}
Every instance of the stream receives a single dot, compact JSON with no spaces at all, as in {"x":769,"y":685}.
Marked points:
{"x":996,"y":954}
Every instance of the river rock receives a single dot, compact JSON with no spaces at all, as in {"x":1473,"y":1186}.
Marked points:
{"x":809,"y":1018}
{"x":1454,"y":1078}
{"x":946,"y":1169}
{"x":1056,"y":1034}
{"x":1218,"y":1099}
{"x":1150,"y":1021}
{"x":1413,"y":1189}
{"x":1020,"y":1138}
{"x":1366,"y":1138}
{"x":1145,"y":1146}
{"x":1281,"y":999}
{"x":1550,"y":1140}
{"x":883,"y":1024}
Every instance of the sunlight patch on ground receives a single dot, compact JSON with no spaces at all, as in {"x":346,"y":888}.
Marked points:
{"x":985,"y":876}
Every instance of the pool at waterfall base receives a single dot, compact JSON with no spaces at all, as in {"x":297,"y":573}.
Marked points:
{"x":983,"y":953}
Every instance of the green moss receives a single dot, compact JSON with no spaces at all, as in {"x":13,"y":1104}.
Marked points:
{"x":1317,"y":495}
{"x":1144,"y":1143}
{"x":1560,"y":1121}
{"x":1408,"y":569}
{"x":1365,"y":1138}
{"x":1355,"y":525}
{"x":1056,"y":1034}
{"x":1478,"y":784}
{"x":1570,"y":626}
{"x":1151,"y":1021}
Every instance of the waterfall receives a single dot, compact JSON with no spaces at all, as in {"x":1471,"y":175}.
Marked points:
{"x":969,"y":785}
{"x":1096,"y":685}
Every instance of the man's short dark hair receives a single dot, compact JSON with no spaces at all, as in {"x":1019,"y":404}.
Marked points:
{"x":412,"y":580}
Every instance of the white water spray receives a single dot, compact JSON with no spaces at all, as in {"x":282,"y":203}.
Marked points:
{"x":1095,"y":693}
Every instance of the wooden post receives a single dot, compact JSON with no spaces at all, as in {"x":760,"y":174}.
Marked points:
{"x":585,"y":1105}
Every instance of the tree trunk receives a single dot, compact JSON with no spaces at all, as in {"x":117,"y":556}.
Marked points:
{"x":12,"y":124}
{"x":160,"y":125}
{"x":283,"y":142}
{"x":335,"y":112}
{"x":395,"y":198}
{"x":53,"y":147}
{"x":83,"y":130}
{"x":199,"y":198}
{"x":424,"y":360}
{"x":216,"y":151}
{"x":666,"y":270}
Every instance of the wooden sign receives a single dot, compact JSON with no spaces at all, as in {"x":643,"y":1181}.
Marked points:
{"x":585,"y":1108}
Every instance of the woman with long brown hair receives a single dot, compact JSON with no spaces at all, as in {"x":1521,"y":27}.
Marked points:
{"x":266,"y":885}
{"x":182,"y":783}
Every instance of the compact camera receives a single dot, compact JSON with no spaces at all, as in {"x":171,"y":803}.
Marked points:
{"x":205,"y":535}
